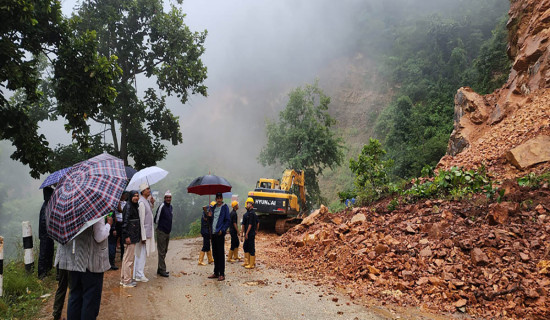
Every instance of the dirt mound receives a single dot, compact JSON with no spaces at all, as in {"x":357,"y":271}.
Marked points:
{"x":473,"y":256}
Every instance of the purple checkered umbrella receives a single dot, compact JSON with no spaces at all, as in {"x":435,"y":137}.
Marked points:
{"x":54,"y":178}
{"x":88,"y":191}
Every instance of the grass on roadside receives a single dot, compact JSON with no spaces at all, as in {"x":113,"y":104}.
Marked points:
{"x":22,"y":292}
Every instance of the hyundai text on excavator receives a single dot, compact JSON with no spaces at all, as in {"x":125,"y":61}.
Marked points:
{"x":276,"y":204}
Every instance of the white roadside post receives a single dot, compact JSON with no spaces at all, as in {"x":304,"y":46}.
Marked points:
{"x":27,"y":246}
{"x":1,"y":264}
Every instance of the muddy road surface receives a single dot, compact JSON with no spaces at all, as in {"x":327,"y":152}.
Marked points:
{"x":261,"y":293}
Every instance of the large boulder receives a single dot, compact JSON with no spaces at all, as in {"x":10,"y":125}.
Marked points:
{"x":534,"y":151}
{"x":471,"y":109}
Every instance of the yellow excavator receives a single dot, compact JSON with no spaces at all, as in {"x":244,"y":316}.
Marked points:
{"x":276,"y":204}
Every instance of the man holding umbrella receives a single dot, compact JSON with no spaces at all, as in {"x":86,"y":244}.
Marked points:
{"x":147,"y":244}
{"x":218,"y":218}
{"x":75,"y":217}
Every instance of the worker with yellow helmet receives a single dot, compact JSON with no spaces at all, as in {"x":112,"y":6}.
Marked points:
{"x":249,"y":228}
{"x":205,"y":233}
{"x":233,"y":254}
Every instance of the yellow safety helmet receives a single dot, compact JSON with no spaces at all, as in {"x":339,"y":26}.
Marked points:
{"x":213,"y":203}
{"x":234,"y":204}
{"x":250,"y":200}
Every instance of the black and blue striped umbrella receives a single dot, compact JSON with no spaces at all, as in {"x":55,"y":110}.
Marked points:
{"x":88,"y":191}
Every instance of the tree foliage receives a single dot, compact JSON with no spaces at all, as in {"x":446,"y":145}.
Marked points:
{"x":430,"y":58}
{"x":149,"y":43}
{"x":30,"y":31}
{"x":371,"y":171}
{"x":303,"y":138}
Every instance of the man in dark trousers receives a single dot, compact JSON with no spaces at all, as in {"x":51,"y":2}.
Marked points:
{"x":233,"y":254}
{"x":250,"y":226}
{"x":45,"y":257}
{"x":163,"y":219}
{"x":218,"y":218}
{"x":111,"y":240}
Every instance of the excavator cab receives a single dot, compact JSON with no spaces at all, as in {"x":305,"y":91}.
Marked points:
{"x":268,"y":184}
{"x":276,"y":202}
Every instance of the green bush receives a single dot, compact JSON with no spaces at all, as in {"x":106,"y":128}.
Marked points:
{"x":533,"y":180}
{"x":371,"y":172}
{"x":394,"y":203}
{"x":347,"y":194}
{"x":455,"y":183}
{"x":194,"y":228}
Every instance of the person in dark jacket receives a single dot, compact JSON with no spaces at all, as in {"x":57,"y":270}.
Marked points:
{"x":205,"y":233}
{"x":45,"y":256}
{"x":118,"y":225}
{"x":250,"y":225}
{"x":218,"y":219}
{"x":112,"y":242}
{"x":233,"y":254}
{"x":163,"y":219}
{"x":131,"y":234}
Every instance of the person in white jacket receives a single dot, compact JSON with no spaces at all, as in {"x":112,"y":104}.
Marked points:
{"x":86,"y":258}
{"x":147,"y":244}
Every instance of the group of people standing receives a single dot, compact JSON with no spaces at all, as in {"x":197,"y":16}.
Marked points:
{"x":138,"y":235}
{"x":216,"y":220}
{"x":82,"y":262}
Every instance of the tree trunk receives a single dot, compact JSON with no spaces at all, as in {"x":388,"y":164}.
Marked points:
{"x":124,"y":140}
{"x":113,"y":132}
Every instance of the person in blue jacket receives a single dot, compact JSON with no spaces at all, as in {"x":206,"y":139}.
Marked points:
{"x":218,"y":219}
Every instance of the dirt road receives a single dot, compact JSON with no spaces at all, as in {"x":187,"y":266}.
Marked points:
{"x":263,"y":293}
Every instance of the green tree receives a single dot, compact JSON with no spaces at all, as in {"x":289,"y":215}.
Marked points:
{"x":149,"y":43}
{"x":303,"y":138}
{"x":371,"y":171}
{"x":31,"y":30}
{"x":492,"y":66}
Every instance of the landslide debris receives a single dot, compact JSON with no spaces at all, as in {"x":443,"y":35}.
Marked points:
{"x":487,"y":128}
{"x":471,"y":257}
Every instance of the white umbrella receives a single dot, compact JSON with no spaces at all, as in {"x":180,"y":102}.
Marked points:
{"x":149,"y":175}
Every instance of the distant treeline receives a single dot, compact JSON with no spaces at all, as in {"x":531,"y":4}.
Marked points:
{"x":427,"y":50}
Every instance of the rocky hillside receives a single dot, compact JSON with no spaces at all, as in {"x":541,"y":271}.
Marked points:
{"x":509,"y":130}
{"x":487,"y":258}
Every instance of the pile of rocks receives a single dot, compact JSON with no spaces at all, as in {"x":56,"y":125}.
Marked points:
{"x":471,"y":256}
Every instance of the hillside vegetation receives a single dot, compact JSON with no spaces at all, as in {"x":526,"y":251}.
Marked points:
{"x":418,"y":56}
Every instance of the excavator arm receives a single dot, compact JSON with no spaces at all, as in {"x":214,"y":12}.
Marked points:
{"x":294,"y":177}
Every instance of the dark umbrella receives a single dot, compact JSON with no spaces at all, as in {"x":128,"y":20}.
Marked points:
{"x":129,"y":172}
{"x":87,"y":192}
{"x":54,"y":178}
{"x":209,"y":184}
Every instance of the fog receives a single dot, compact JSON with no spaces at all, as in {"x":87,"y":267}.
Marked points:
{"x":257,"y":51}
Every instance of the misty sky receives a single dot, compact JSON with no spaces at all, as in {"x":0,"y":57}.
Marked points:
{"x":256,"y":52}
